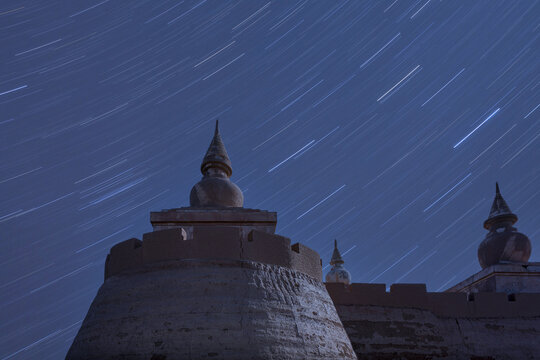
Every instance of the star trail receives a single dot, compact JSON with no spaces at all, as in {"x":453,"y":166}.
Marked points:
{"x":383,"y":124}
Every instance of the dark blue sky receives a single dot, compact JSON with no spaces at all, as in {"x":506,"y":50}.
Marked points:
{"x":384,"y":124}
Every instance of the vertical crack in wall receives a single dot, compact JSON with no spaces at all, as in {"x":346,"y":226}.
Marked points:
{"x":462,"y":336}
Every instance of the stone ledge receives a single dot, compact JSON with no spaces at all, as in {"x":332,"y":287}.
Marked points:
{"x":501,"y":278}
{"x":189,"y":217}
{"x":202,"y":215}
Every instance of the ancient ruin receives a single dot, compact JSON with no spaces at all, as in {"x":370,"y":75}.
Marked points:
{"x":213,"y":281}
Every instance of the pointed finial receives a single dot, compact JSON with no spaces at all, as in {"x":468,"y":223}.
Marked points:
{"x":503,"y":243}
{"x":338,"y":274}
{"x":216,"y":156}
{"x":215,"y":189}
{"x":336,"y":256}
{"x":500,"y":211}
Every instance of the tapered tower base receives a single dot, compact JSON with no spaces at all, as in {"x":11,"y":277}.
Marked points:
{"x":212,"y":309}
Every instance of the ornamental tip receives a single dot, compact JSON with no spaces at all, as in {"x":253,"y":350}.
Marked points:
{"x":216,"y":156}
{"x":500,"y":211}
{"x":336,"y":256}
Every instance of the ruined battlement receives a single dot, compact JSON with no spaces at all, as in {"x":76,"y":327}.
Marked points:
{"x":212,"y":242}
{"x":447,"y":304}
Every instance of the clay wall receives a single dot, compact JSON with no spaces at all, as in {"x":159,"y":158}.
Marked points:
{"x":441,"y":304}
{"x":409,"y":323}
{"x":306,"y":260}
{"x":212,"y":242}
{"x":212,"y":309}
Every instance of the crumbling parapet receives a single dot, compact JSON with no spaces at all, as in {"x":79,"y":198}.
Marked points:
{"x":212,"y":242}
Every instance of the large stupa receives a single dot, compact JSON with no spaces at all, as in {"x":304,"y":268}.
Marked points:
{"x":212,"y":281}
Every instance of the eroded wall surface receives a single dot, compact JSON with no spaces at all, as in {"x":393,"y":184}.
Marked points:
{"x":406,"y":333}
{"x":211,"y":309}
{"x":410,"y":323}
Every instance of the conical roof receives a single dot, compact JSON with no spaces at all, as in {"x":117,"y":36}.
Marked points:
{"x":336,"y":256}
{"x":216,"y":155}
{"x":500,"y":211}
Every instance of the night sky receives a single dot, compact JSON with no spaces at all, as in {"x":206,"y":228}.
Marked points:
{"x":383,"y":124}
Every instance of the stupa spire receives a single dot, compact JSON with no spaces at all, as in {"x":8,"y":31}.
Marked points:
{"x":216,"y":156}
{"x":336,"y":256}
{"x":500,"y":211}
{"x":215,"y":188}
{"x":338,"y":274}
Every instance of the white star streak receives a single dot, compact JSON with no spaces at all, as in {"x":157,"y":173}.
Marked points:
{"x":13,"y":90}
{"x":478,"y":127}
{"x":400,"y":81}
{"x":290,"y":157}
{"x":490,"y":146}
{"x":446,"y":193}
{"x":441,"y":89}
{"x":39,"y":47}
{"x":224,"y":66}
{"x":320,"y":202}
{"x":378,"y":52}
{"x":394,"y":264}
{"x":214,"y":54}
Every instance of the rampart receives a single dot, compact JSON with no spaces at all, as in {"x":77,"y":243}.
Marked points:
{"x":212,"y":242}
{"x":410,"y":323}
{"x":440,"y":304}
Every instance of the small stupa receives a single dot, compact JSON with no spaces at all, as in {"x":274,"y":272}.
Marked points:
{"x":212,"y":281}
{"x":338,"y":274}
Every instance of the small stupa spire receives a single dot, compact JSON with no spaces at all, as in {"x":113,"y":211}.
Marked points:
{"x":338,"y":274}
{"x":216,"y":156}
{"x":500,"y":211}
{"x":336,"y":256}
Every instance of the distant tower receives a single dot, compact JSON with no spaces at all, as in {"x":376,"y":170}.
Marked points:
{"x":503,"y":243}
{"x":338,"y":274}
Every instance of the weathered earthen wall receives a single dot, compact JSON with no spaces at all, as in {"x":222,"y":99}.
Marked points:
{"x":211,"y":309}
{"x":410,"y":323}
